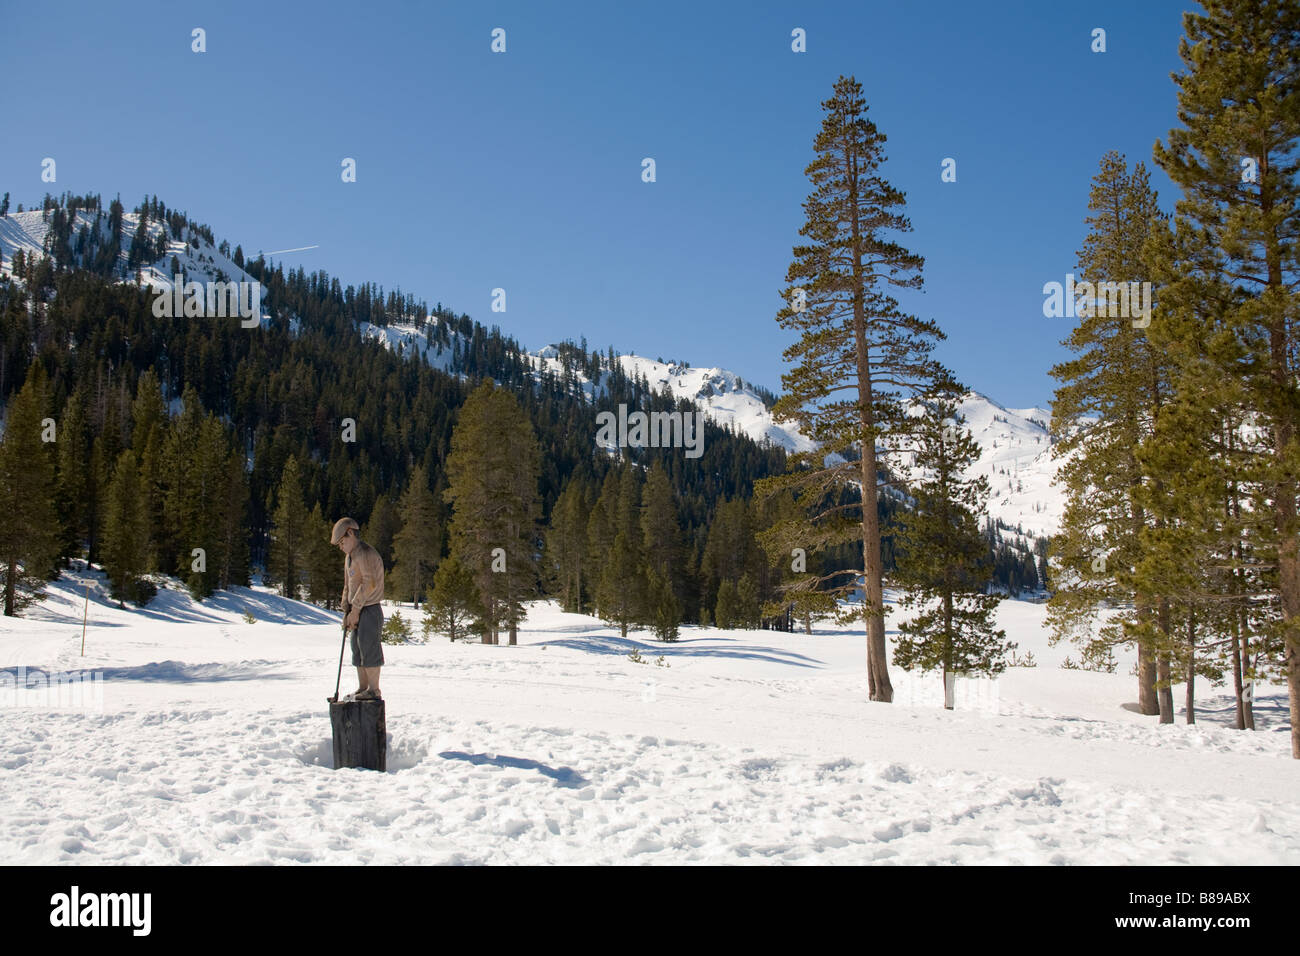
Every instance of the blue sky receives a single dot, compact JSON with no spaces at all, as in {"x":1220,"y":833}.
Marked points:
{"x":522,"y":170}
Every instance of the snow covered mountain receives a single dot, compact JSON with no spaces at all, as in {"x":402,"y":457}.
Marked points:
{"x":1016,"y":456}
{"x":199,"y":259}
{"x":720,"y":394}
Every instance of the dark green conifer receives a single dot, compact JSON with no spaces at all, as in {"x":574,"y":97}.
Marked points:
{"x":858,"y":356}
{"x":943,"y":558}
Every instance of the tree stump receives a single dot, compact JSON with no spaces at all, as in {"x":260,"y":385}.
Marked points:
{"x":360,"y":735}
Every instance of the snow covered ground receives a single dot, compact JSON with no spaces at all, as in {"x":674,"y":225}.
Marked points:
{"x":213,"y":746}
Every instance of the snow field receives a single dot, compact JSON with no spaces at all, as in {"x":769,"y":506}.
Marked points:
{"x":750,"y":747}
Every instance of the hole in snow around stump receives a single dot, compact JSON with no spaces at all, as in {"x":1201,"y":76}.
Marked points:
{"x":404,"y":754}
{"x":319,"y":755}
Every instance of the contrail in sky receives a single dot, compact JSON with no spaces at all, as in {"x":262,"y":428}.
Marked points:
{"x":276,"y":252}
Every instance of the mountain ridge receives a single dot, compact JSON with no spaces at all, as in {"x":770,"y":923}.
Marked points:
{"x":1015,"y":443}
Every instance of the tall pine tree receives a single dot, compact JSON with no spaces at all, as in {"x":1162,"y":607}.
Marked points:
{"x":74,"y":482}
{"x":665,"y":552}
{"x":32,"y":535}
{"x":149,"y":422}
{"x":566,"y":545}
{"x":291,"y":533}
{"x":126,"y":538}
{"x":418,"y":546}
{"x":492,"y":474}
{"x":859,"y":356}
{"x":1110,"y":398}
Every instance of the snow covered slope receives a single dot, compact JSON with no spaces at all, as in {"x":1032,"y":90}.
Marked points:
{"x":1016,"y":447}
{"x":722,"y":397}
{"x":203,"y":262}
{"x":406,"y":338}
{"x":1016,"y":458}
{"x":212,"y":746}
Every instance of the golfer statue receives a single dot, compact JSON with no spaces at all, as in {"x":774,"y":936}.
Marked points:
{"x":363,"y":589}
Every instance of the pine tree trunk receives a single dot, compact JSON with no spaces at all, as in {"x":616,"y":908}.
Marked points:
{"x":1248,"y":700}
{"x":873,"y":572}
{"x":1164,"y":674}
{"x":1289,"y":579}
{"x":92,"y":540}
{"x":1191,"y":669}
{"x":1164,"y":670}
{"x":510,"y":606}
{"x":873,"y":590}
{"x":10,"y":576}
{"x":1238,"y":619}
{"x":1236,"y":673}
{"x":948,"y":695}
{"x":1148,"y":705}
{"x":1288,"y":567}
{"x":1288,"y":583}
{"x":873,"y":585}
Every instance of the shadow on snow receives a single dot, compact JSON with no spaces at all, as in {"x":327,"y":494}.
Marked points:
{"x":65,"y":605}
{"x":608,"y":644}
{"x":563,"y":776}
{"x":179,"y":672}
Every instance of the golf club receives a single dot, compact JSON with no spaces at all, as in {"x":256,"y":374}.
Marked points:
{"x":339,"y":678}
